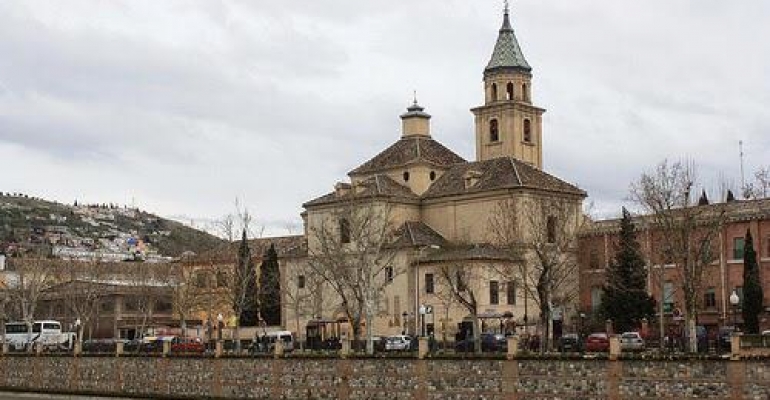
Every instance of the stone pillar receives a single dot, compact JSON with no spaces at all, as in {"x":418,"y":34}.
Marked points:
{"x":5,"y":348}
{"x":278,"y":348}
{"x":423,"y":347}
{"x":513,"y":347}
{"x":614,"y":347}
{"x":38,"y":348}
{"x":166,"y":348}
{"x":345,"y":351}
{"x":735,"y":347}
{"x":119,"y":349}
{"x":78,"y":349}
{"x":218,"y":350}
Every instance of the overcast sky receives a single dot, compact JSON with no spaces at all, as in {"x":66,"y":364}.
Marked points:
{"x":179,"y":107}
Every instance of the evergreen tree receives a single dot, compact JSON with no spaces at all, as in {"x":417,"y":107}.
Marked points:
{"x":752,"y":287}
{"x":625,"y":299}
{"x":246,"y":284}
{"x":270,"y":288}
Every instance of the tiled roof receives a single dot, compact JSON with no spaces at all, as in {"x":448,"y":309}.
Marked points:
{"x":413,"y":233}
{"x":734,"y":211}
{"x":283,"y":244}
{"x":497,"y":173}
{"x":377,"y":185}
{"x":407,"y":151}
{"x":481,"y":251}
{"x":507,"y":53}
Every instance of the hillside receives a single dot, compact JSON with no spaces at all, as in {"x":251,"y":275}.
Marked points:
{"x":103,"y":231}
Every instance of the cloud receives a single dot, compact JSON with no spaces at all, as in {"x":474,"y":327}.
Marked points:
{"x":182,"y":106}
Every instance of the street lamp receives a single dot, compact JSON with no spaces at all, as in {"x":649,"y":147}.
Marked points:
{"x":422,"y":320}
{"x":404,"y":315}
{"x":77,"y":331}
{"x":734,"y":300}
{"x":220,"y":325}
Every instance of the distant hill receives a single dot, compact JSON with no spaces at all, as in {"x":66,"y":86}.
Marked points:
{"x":107,"y":231}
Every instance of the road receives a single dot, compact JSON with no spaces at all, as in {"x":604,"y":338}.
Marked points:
{"x":34,"y":396}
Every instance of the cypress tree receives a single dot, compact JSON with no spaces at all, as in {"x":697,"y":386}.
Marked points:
{"x":270,"y":288}
{"x":245,"y":281}
{"x":752,"y":287}
{"x":625,"y":299}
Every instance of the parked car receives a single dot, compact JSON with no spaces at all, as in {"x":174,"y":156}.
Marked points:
{"x":489,"y":342}
{"x":702,"y":337}
{"x":725,"y":333}
{"x":631,"y":341}
{"x":597,"y":342}
{"x":569,"y":342}
{"x":398,"y":343}
{"x":187,"y":345}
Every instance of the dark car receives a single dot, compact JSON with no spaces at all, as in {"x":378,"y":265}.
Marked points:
{"x":569,"y":343}
{"x":725,"y":333}
{"x":489,"y":342}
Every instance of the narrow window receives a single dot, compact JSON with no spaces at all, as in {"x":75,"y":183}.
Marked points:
{"x":551,"y":229}
{"x":738,"y":248}
{"x":344,"y":231}
{"x":525,"y":91}
{"x":494,"y":135}
{"x":301,"y":282}
{"x":509,"y":91}
{"x":511,"y":293}
{"x":406,"y":176}
{"x":388,"y":274}
{"x":494,"y":292}
{"x":429,"y":283}
{"x":527,"y":131}
{"x":710,"y":298}
{"x":433,"y":178}
{"x":494,"y":92}
{"x":767,"y":246}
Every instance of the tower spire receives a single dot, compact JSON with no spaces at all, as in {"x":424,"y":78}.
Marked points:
{"x":507,"y":53}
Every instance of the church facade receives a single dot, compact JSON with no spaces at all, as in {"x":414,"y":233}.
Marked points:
{"x":432,"y":239}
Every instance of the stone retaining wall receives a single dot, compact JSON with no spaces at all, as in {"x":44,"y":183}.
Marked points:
{"x":388,"y":378}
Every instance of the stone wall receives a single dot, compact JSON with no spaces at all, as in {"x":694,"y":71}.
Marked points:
{"x":388,"y":378}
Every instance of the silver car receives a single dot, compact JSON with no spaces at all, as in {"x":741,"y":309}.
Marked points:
{"x":398,"y":342}
{"x":631,"y":341}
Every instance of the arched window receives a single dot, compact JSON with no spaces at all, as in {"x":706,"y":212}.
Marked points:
{"x":509,"y":91}
{"x":344,"y":231}
{"x":494,"y":92}
{"x":551,"y":229}
{"x":525,"y":91}
{"x":433,"y":175}
{"x":406,"y":176}
{"x":527,"y":131}
{"x":494,"y":134}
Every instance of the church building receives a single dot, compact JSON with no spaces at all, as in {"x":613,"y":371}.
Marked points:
{"x":425,"y":241}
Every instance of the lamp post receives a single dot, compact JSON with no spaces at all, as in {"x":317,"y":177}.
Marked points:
{"x":220,"y":325}
{"x":404,"y":315}
{"x":582,"y":326}
{"x":78,"y":339}
{"x":422,"y":320}
{"x":734,"y":300}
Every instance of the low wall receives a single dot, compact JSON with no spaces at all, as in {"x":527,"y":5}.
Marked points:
{"x":387,"y":378}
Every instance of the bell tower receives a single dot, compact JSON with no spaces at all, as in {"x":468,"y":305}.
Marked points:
{"x":508,"y":125}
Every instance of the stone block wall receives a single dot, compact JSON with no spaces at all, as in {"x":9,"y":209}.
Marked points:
{"x":388,"y":378}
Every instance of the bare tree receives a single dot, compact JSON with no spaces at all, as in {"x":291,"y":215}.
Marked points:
{"x":689,"y":232}
{"x":149,"y":285}
{"x":460,"y":282}
{"x":349,"y":249}
{"x":543,"y":232}
{"x":186,"y":298}
{"x":300,"y":291}
{"x":32,"y":277}
{"x":760,"y":188}
{"x":82,"y":290}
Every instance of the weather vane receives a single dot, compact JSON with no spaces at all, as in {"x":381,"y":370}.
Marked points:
{"x":414,"y":94}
